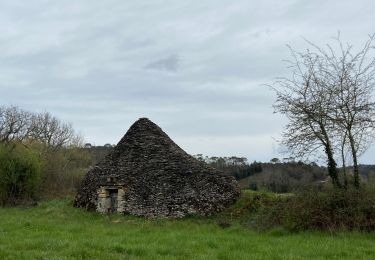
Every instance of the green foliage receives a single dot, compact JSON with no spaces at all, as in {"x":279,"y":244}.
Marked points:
{"x":33,"y":170}
{"x":252,"y":208}
{"x":331,"y":210}
{"x":63,"y":169}
{"x":352,"y":209}
{"x":20,"y":174}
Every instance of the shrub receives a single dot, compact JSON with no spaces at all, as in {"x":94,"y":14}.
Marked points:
{"x":65,"y":170}
{"x":250,"y":209}
{"x":332,"y":210}
{"x":20,"y":174}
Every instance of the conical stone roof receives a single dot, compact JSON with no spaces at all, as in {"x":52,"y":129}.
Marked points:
{"x":161,"y":179}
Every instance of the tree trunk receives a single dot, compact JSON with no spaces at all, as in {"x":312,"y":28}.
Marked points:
{"x":355,"y":162}
{"x":331,"y":165}
{"x":343,"y":162}
{"x":344,"y":171}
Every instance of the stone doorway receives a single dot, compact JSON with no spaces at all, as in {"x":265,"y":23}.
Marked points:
{"x":111,"y":199}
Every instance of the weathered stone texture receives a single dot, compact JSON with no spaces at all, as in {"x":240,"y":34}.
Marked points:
{"x":159,"y":178}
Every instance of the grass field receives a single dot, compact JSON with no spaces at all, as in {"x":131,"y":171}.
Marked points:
{"x":56,"y":230}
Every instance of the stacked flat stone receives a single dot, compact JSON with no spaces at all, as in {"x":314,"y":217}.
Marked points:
{"x":160,"y":179}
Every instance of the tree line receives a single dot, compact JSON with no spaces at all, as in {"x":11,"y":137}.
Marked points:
{"x":232,"y":165}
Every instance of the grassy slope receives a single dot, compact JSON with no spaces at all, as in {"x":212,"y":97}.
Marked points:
{"x":55,"y":230}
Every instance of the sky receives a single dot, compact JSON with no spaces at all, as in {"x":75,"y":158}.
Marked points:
{"x":198,"y":69}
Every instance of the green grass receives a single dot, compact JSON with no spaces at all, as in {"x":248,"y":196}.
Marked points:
{"x":56,"y":230}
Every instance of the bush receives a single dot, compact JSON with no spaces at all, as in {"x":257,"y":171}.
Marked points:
{"x":63,"y":169}
{"x":20,"y":174}
{"x":331,"y":210}
{"x":251,"y":208}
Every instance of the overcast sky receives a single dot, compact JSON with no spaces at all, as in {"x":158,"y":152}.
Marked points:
{"x":196,"y":68}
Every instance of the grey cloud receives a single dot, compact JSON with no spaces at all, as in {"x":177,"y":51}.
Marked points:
{"x":169,"y":63}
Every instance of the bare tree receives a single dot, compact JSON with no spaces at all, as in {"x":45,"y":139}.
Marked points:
{"x":51,"y":131}
{"x":21,"y":125}
{"x":328,"y":100}
{"x":14,"y":123}
{"x":353,"y":82}
{"x":303,"y":99}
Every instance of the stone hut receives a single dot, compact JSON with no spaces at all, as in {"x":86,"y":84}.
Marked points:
{"x":147,"y":174}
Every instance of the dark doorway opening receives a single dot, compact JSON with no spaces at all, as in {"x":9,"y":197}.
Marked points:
{"x":113,"y":195}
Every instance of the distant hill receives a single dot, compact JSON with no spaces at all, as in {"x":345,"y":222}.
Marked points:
{"x":293,"y":176}
{"x":286,"y":177}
